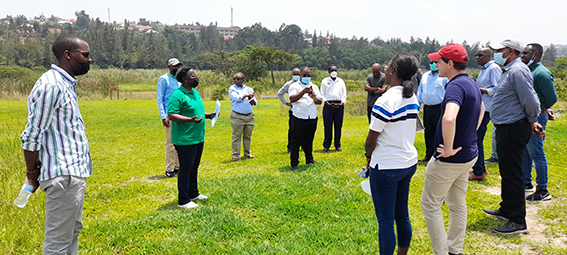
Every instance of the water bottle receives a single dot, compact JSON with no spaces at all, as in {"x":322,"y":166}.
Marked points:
{"x":25,"y":194}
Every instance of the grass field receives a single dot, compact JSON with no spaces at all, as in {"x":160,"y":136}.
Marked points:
{"x":256,"y":206}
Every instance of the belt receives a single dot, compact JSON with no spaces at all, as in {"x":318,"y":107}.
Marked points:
{"x":245,"y":114}
{"x":432,"y":106}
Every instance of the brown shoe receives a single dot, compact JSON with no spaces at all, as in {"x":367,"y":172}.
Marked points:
{"x":250,"y":156}
{"x":473,"y":177}
{"x":234,"y":159}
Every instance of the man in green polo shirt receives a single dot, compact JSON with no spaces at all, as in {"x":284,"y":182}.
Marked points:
{"x":186,"y":111}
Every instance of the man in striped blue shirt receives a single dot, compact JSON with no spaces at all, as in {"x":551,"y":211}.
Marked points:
{"x":56,"y":148}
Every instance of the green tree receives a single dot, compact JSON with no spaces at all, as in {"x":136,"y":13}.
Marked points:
{"x":221,"y":61}
{"x":272,"y":57}
{"x":550,"y":53}
{"x":83,"y":19}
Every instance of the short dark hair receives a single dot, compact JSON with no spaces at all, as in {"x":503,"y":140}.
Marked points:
{"x":182,"y":73}
{"x":329,"y":68}
{"x":537,"y":47}
{"x":457,"y":65}
{"x":305,"y":68}
{"x":65,"y":42}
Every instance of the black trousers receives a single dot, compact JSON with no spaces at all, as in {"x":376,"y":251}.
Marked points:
{"x":431,"y":116}
{"x":290,"y":131}
{"x":333,"y":117}
{"x":369,"y":112}
{"x":189,"y":160}
{"x":303,"y":134}
{"x":512,"y":140}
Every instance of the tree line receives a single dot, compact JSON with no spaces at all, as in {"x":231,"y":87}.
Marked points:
{"x":28,"y":44}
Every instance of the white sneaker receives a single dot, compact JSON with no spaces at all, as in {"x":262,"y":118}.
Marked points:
{"x":200,"y":197}
{"x":188,"y":205}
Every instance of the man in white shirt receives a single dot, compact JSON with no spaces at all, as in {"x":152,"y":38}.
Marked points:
{"x":304,"y":97}
{"x":333,"y":93}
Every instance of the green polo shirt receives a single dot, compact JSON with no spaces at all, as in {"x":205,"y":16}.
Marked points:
{"x":188,"y":104}
{"x":544,"y":86}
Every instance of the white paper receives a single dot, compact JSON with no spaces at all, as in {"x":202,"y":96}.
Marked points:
{"x":366,"y":187}
{"x":217,"y":110}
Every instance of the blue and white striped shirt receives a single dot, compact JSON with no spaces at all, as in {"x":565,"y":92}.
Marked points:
{"x":55,"y":127}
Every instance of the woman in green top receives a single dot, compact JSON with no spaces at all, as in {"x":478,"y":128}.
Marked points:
{"x":186,"y":111}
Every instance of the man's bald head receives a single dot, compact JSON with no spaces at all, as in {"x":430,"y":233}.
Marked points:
{"x":483,"y":55}
{"x":296,"y":71}
{"x":376,"y":69}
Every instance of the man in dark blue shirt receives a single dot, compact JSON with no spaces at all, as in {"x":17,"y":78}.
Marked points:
{"x":446,"y":176}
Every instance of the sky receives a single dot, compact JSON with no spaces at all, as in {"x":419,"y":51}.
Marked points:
{"x":483,"y":21}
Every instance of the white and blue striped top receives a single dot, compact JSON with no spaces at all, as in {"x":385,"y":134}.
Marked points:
{"x":55,"y":127}
{"x":395,"y":118}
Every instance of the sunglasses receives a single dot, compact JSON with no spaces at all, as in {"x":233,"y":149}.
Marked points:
{"x":85,"y":53}
{"x":236,"y":79}
{"x":479,"y":55}
{"x":433,"y":62}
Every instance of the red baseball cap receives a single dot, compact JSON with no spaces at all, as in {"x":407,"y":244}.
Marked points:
{"x":453,"y":51}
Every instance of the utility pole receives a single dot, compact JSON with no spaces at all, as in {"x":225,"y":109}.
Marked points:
{"x":109,"y":15}
{"x":231,"y":25}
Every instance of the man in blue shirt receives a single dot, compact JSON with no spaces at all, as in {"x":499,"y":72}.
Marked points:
{"x":241,"y":118}
{"x":515,"y":110}
{"x":487,"y":80}
{"x":456,"y":151}
{"x":430,"y":93}
{"x":165,"y":86}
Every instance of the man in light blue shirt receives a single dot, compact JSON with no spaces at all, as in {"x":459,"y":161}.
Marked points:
{"x":430,"y":93}
{"x":165,"y":86}
{"x":241,"y":118}
{"x":487,"y":80}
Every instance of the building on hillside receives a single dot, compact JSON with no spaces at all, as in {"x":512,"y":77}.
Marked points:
{"x":227,"y":32}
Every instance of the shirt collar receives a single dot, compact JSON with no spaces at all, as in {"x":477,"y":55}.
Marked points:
{"x":509,"y":65}
{"x":185,"y":91}
{"x":64,"y":74}
{"x":534,"y":66}
{"x":485,"y":66}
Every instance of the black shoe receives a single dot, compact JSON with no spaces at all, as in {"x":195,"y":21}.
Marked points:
{"x":528,"y":187}
{"x":539,"y":195}
{"x":455,"y":253}
{"x":325,"y":149}
{"x":176,"y":171}
{"x":424,"y":160}
{"x":495,"y":213}
{"x":312,"y":162}
{"x":338,"y":149}
{"x":491,"y":160}
{"x":169,"y":174}
{"x":511,"y":228}
{"x":293,"y":168}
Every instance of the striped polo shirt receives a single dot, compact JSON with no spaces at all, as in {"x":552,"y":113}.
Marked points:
{"x":394,"y":117}
{"x":55,"y":127}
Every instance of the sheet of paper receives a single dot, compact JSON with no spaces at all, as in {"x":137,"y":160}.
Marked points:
{"x":217,"y":110}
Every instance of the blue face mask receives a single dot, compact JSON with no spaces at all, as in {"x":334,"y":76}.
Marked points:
{"x":433,"y":67}
{"x":305,"y":80}
{"x":498,"y":59}
{"x":296,"y":78}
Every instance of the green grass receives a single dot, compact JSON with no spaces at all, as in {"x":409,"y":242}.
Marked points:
{"x":256,"y":206}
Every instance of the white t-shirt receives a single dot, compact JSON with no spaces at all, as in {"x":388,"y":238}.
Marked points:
{"x":395,"y":118}
{"x":305,"y":107}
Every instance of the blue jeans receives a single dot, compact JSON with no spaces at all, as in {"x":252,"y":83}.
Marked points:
{"x":479,"y":167}
{"x":390,"y":191}
{"x":534,"y":154}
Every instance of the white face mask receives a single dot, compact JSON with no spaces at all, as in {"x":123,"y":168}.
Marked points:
{"x":334,"y":74}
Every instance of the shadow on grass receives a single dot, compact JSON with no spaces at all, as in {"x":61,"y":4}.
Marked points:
{"x":485,"y":225}
{"x":158,"y":177}
{"x":173,"y":205}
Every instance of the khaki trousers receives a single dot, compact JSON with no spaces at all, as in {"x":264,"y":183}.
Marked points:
{"x":64,"y":196}
{"x":171,"y":159}
{"x":242,"y":126}
{"x":447,"y":181}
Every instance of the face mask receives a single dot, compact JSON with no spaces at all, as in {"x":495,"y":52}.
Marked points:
{"x":334,"y":74}
{"x":296,"y":78}
{"x":433,"y":67}
{"x":499,"y":59}
{"x":195,"y":82}
{"x":173,"y":72}
{"x":305,"y":80}
{"x":82,"y":69}
{"x":531,"y":60}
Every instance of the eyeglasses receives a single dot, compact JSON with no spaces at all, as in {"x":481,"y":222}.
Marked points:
{"x":433,"y":62}
{"x":479,"y":55}
{"x":85,"y":53}
{"x":236,"y":79}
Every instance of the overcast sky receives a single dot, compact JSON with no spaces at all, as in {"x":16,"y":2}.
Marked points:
{"x":542,"y":21}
